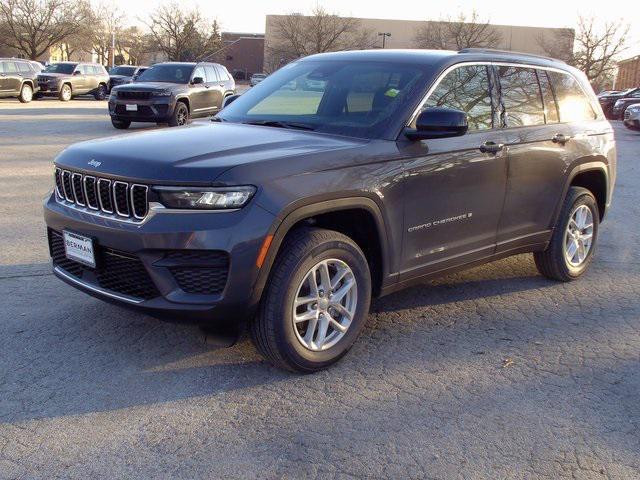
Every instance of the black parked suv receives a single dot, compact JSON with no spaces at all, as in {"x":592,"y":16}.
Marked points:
{"x":608,"y":102}
{"x":297,"y":205}
{"x":123,"y":74}
{"x":17,"y":79}
{"x":66,"y":80}
{"x":621,"y":104}
{"x":171,"y":93}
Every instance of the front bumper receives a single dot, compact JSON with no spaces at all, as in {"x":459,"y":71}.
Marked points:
{"x":158,"y":266}
{"x":633,"y":123}
{"x":46,"y":88}
{"x":148,"y":110}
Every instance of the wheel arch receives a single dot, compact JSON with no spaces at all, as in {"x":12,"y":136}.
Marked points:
{"x":320,"y":214}
{"x":584,"y":175}
{"x":185,"y":100}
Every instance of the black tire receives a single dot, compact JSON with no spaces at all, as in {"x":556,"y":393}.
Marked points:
{"x":273,"y":331}
{"x":180,"y":115}
{"x":66,"y":93}
{"x":26,"y":93}
{"x":552,"y":262}
{"x":38,"y":96}
{"x":120,"y":124}
{"x":101,"y":92}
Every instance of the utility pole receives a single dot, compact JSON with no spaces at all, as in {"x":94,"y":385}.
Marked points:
{"x":113,"y":48}
{"x":384,"y":36}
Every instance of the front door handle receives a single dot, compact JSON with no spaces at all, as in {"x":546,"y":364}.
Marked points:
{"x":491,"y":147}
{"x":560,"y":138}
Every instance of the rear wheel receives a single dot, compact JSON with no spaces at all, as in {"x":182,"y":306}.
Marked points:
{"x":26,"y":93}
{"x":120,"y":124}
{"x":101,"y":92}
{"x":180,"y":115}
{"x":65,"y":93}
{"x":574,"y":238}
{"x":316,"y":302}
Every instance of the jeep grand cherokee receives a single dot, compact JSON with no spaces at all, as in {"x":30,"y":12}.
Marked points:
{"x":299,"y":204}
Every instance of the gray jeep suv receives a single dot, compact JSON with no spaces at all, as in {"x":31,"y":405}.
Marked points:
{"x":66,"y":80}
{"x":18,"y":79}
{"x":340,"y":177}
{"x":171,"y":92}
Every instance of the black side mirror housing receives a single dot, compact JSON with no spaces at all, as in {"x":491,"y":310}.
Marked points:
{"x":76,"y":72}
{"x":439,"y":122}
{"x":197,"y":80}
{"x":230,"y":99}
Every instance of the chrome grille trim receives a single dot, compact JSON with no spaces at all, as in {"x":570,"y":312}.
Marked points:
{"x":108,"y":187}
{"x":115,"y":196}
{"x":68,"y":195}
{"x":132,"y":203}
{"x":79,"y":201}
{"x":115,"y":199}
{"x":92,"y":180}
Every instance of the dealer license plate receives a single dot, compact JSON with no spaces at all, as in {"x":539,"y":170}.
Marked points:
{"x":79,"y":248}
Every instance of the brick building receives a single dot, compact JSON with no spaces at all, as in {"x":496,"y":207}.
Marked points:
{"x":242,"y":54}
{"x":628,"y":73}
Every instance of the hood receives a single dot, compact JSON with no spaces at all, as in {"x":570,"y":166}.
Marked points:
{"x":120,"y":77}
{"x":53,"y":75}
{"x":150,"y":86}
{"x":195,"y":154}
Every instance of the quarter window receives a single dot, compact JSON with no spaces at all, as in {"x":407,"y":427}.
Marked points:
{"x":466,"y":88}
{"x":520,"y":97}
{"x":573,"y":104}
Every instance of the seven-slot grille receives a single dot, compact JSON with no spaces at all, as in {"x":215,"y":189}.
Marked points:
{"x":133,"y":95}
{"x":113,"y":197}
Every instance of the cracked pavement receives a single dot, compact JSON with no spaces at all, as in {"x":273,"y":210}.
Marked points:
{"x":492,"y":373}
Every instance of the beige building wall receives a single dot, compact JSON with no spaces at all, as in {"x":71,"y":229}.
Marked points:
{"x":403,"y":32}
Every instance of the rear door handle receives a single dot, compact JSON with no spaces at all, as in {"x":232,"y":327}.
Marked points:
{"x":560,"y":138}
{"x":491,"y":147}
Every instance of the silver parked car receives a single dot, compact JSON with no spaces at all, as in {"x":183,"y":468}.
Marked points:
{"x":631,"y":117}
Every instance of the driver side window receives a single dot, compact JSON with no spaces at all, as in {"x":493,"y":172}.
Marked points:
{"x":466,"y":88}
{"x":199,"y":72}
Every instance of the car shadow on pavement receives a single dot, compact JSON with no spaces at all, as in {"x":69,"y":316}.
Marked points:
{"x":58,"y":112}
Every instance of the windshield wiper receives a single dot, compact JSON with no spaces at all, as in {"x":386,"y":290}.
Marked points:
{"x":280,"y":124}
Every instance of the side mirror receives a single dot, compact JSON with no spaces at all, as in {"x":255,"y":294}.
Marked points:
{"x":197,"y":80}
{"x":438,"y":122}
{"x":229,"y":100}
{"x":77,"y":72}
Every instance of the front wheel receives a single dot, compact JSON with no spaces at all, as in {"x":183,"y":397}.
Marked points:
{"x":316,"y":302}
{"x":180,"y":115}
{"x":101,"y":92}
{"x":26,"y":93}
{"x":120,"y":124}
{"x":65,"y":93}
{"x":574,"y":238}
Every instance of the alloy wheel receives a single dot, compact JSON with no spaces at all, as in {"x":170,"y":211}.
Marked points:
{"x":578,"y":237}
{"x":27,"y":93}
{"x":325,"y":304}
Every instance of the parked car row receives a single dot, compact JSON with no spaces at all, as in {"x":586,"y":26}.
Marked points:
{"x":614,"y":103}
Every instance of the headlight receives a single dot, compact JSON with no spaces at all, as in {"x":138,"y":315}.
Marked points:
{"x":162,"y":93}
{"x":223,"y":198}
{"x":634,"y":109}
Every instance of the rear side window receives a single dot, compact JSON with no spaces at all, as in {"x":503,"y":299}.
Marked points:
{"x":466,"y":88}
{"x":212,"y":77}
{"x":520,"y":97}
{"x":550,"y":106}
{"x":10,"y":67}
{"x":24,"y":67}
{"x":573,"y":104}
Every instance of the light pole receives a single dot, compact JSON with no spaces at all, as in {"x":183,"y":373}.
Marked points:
{"x":384,"y":36}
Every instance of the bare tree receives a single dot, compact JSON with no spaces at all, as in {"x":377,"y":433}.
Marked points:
{"x":135,"y":43}
{"x":32,"y":27}
{"x":184,"y":35}
{"x":296,"y":35}
{"x":595,"y":47}
{"x":457,"y":33}
{"x":106,"y":22}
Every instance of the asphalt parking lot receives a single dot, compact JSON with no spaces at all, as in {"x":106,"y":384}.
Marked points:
{"x":489,"y":374}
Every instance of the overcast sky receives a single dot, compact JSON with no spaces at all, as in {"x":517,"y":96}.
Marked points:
{"x":248,"y":15}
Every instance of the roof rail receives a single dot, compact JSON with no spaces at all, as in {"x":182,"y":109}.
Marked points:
{"x":508,"y":52}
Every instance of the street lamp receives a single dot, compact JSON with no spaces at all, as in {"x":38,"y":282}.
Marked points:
{"x":384,"y":36}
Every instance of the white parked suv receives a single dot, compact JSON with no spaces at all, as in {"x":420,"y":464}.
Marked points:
{"x":256,"y":78}
{"x":632,"y":117}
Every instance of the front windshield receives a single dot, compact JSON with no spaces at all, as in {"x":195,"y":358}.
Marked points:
{"x":167,"y":73}
{"x":60,"y":68}
{"x":123,"y":70}
{"x":341,"y":97}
